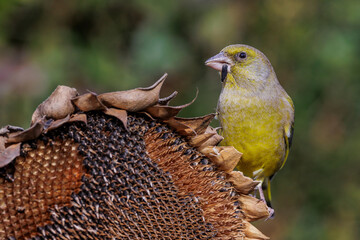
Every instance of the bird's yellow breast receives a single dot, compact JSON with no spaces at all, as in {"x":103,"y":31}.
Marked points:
{"x":255,"y":127}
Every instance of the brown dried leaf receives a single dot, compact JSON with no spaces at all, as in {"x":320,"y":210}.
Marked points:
{"x":79,"y":118}
{"x":9,"y":129}
{"x":134,"y":100}
{"x":4,"y":131}
{"x":166,"y":112}
{"x":241,"y":183}
{"x":253,"y":208}
{"x":208,"y":138}
{"x":225,"y":158}
{"x":31,"y":133}
{"x":57,"y":123}
{"x":198,"y":125}
{"x":2,"y":143}
{"x":119,"y":114}
{"x":147,"y":115}
{"x":252,"y":232}
{"x":60,"y":122}
{"x":198,"y":140}
{"x":88,"y":102}
{"x":58,"y":105}
{"x":214,"y":140}
{"x":181,"y":128}
{"x":9,"y":154}
{"x":166,"y":100}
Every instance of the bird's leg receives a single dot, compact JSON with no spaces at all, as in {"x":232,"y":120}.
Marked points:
{"x":261,"y":192}
{"x":262,"y":197}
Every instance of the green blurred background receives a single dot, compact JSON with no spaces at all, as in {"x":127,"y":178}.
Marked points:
{"x":314,"y":46}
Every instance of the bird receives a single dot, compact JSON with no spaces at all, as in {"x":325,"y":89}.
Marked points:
{"x":256,"y":114}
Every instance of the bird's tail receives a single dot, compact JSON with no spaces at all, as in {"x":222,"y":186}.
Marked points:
{"x":267,"y":191}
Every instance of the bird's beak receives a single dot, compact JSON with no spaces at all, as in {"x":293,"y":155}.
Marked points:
{"x":218,"y":61}
{"x":221,"y":63}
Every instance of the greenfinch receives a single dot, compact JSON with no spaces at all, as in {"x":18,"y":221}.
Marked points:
{"x":255,"y":113}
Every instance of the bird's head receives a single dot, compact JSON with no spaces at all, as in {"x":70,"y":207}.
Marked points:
{"x":246,"y":65}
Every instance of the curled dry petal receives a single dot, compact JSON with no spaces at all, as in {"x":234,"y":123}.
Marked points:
{"x":79,"y":118}
{"x":119,"y":114}
{"x":195,"y":127}
{"x":253,"y":208}
{"x":60,"y":122}
{"x":163,"y":112}
{"x":9,"y":154}
{"x":214,"y":140}
{"x":241,"y":183}
{"x":225,"y":158}
{"x":2,"y":143}
{"x":58,"y":105}
{"x":134,"y":100}
{"x":10,"y":129}
{"x":31,"y":133}
{"x":166,"y":112}
{"x":4,"y":130}
{"x":166,"y":100}
{"x":57,"y":123}
{"x":252,"y":232}
{"x":199,"y":140}
{"x":208,"y":138}
{"x":199,"y":124}
{"x":181,"y":128}
{"x":88,"y":102}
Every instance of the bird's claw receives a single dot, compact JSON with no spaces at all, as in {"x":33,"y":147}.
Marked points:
{"x":271,"y":213}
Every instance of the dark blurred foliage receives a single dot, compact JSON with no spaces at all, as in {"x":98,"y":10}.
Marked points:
{"x":314,"y":46}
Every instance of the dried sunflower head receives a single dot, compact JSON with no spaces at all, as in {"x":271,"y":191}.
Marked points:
{"x":121,"y":165}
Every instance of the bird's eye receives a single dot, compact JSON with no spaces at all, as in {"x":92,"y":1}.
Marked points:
{"x":240,"y":56}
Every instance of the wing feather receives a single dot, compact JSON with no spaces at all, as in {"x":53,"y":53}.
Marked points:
{"x":288,"y":130}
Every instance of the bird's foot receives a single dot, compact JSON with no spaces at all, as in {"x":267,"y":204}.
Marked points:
{"x":262,"y":198}
{"x":261,"y":193}
{"x":271,"y":213}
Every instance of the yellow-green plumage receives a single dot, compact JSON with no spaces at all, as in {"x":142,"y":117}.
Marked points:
{"x":255,"y":112}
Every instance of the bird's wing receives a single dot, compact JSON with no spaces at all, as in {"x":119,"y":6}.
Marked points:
{"x":288,"y":130}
